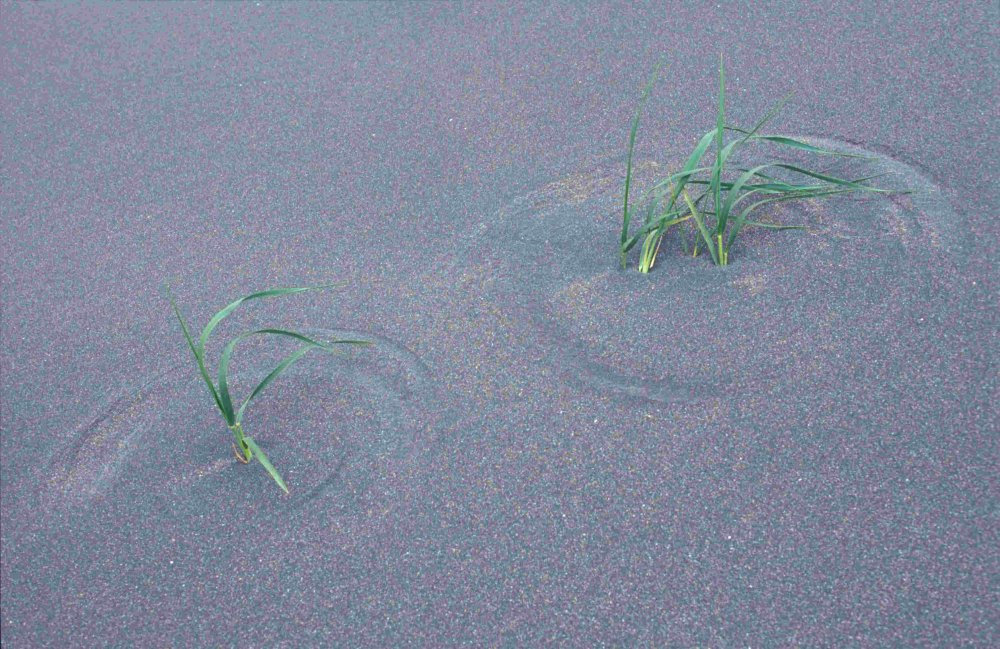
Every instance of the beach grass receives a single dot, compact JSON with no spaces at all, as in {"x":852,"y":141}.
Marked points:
{"x":729,"y":194}
{"x":244,"y":446}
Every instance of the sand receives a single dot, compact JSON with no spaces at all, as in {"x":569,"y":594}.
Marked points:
{"x":541,"y":448}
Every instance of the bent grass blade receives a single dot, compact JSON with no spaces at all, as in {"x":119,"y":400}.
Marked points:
{"x":198,"y":356}
{"x":274,"y":292}
{"x":262,"y":458}
{"x":720,"y":225}
{"x":247,"y":449}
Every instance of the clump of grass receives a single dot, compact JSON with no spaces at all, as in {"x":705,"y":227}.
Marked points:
{"x":244,"y":446}
{"x":722,"y":209}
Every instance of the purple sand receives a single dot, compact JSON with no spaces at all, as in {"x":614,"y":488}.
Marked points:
{"x":797,"y":450}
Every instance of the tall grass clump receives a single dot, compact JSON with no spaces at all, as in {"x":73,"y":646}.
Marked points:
{"x":717,"y":198}
{"x":244,"y":446}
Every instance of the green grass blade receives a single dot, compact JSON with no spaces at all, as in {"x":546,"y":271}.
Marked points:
{"x":734,"y":194}
{"x":797,"y":196}
{"x":687,"y":175}
{"x":655,"y":230}
{"x":804,"y":146}
{"x":842,"y":182}
{"x":275,"y":373}
{"x":218,"y":317}
{"x":626,"y":216}
{"x":197,"y":356}
{"x":650,"y":210}
{"x":741,"y":221}
{"x":709,"y":244}
{"x":227,"y":352}
{"x":768,"y":187}
{"x":266,"y":463}
{"x":632,"y":240}
{"x":777,"y":185}
{"x":654,"y":204}
{"x":763,"y":120}
{"x":720,"y":126}
{"x":725,"y":153}
{"x":661,"y":221}
{"x":691,"y":166}
{"x":291,"y":359}
{"x":774,"y":226}
{"x":654,"y":224}
{"x":681,"y":178}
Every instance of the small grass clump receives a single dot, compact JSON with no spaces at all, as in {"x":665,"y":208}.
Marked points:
{"x":728,"y":197}
{"x":244,"y":446}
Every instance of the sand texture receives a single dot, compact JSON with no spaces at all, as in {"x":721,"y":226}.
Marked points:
{"x":541,"y":449}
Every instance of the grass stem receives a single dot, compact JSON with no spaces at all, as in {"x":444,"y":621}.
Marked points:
{"x":246,"y":448}
{"x":719,"y":225}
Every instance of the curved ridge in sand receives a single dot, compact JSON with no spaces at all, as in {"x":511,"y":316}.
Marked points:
{"x":329,"y":425}
{"x":864,"y":262}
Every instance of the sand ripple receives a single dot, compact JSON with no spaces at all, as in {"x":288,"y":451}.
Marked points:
{"x":331,"y":425}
